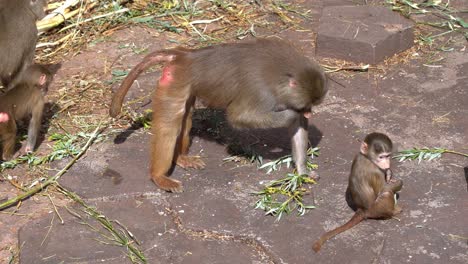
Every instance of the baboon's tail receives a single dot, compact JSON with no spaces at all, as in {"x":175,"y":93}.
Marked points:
{"x":148,"y":61}
{"x":356,"y":219}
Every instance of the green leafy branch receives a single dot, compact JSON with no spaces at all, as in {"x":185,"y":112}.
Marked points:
{"x":424,"y":154}
{"x":250,"y":158}
{"x":65,"y":146}
{"x":117,"y":236}
{"x":284,"y":196}
{"x":438,"y":9}
{"x":53,"y":179}
{"x":243,"y":154}
{"x":288,"y":160}
{"x":144,"y":119}
{"x":117,"y":76}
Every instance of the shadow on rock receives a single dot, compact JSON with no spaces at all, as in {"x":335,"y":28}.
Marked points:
{"x":272,"y":143}
{"x":122,"y":137}
{"x":466,"y":177}
{"x":211,"y":125}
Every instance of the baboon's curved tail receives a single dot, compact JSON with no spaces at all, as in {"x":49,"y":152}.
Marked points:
{"x":148,"y":61}
{"x":356,"y":219}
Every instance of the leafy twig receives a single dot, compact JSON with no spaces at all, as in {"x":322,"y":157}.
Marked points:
{"x":243,"y":154}
{"x":424,"y":154}
{"x":121,"y":236}
{"x":144,"y":119}
{"x":288,"y":160}
{"x":436,"y":8}
{"x":54,"y":178}
{"x":65,"y":146}
{"x":285,"y":195}
{"x":291,"y":190}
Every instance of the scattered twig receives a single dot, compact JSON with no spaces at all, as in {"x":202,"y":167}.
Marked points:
{"x":48,"y":231}
{"x":61,"y":9}
{"x":288,"y":160}
{"x":122,"y":237}
{"x":123,"y":10}
{"x":452,"y":236}
{"x":65,"y":145}
{"x":12,"y":182}
{"x":55,"y":43}
{"x":205,"y":21}
{"x":54,"y":178}
{"x":430,"y":189}
{"x":436,"y":8}
{"x":361,"y":68}
{"x":55,"y":209}
{"x":424,"y":154}
{"x":284,"y":196}
{"x":243,"y":154}
{"x":45,"y":25}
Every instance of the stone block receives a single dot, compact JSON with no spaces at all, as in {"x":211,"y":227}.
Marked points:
{"x":367,"y":34}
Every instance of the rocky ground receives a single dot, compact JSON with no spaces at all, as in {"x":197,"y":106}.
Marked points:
{"x":123,"y":215}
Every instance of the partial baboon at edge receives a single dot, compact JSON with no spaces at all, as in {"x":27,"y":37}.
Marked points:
{"x":18,"y":37}
{"x":24,"y":100}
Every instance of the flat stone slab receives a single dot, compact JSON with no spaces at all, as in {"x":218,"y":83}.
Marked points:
{"x":107,"y":170}
{"x":367,"y":34}
{"x":83,"y":240}
{"x":220,"y":225}
{"x":214,"y":220}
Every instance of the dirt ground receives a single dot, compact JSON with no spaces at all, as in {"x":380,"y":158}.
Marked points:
{"x":415,"y":102}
